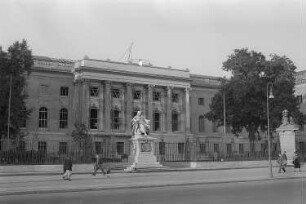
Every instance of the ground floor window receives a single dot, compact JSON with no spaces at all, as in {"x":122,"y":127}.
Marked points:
{"x":42,"y":146}
{"x":98,"y":147}
{"x":181,"y":147}
{"x":241,"y":148}
{"x":62,"y":148}
{"x":216,"y":148}
{"x":229,"y":149}
{"x":120,"y":148}
{"x":202,"y":148}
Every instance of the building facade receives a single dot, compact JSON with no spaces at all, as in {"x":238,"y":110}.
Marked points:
{"x":106,"y":95}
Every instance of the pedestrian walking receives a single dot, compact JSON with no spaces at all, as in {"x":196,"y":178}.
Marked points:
{"x":296,"y":161}
{"x":284,"y":161}
{"x":280,"y":161}
{"x":67,"y":167}
{"x":98,"y":165}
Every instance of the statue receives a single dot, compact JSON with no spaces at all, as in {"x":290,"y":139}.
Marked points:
{"x":140,"y":125}
{"x":285,"y":118}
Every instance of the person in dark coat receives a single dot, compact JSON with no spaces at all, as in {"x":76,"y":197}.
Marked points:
{"x":67,"y":169}
{"x":296,"y":161}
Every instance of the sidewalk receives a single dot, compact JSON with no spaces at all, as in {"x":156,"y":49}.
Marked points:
{"x":14,"y":185}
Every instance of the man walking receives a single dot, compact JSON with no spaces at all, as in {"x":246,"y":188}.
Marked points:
{"x":97,"y":165}
{"x":67,"y":169}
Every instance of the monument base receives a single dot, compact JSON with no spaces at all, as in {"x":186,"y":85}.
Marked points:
{"x":142,"y":155}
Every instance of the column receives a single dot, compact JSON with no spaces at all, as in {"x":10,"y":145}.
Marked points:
{"x":187,"y":110}
{"x":84,"y":104}
{"x":101,"y":105}
{"x":150,"y":99}
{"x":76,"y":101}
{"x":128,"y":108}
{"x":169,"y":109}
{"x":108,"y":106}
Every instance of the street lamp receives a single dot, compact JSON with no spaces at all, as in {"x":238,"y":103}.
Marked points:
{"x":269,"y":95}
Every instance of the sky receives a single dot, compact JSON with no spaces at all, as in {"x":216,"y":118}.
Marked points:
{"x":194,"y":34}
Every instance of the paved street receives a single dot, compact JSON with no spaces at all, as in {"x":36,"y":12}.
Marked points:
{"x":81,"y":182}
{"x":255,"y":192}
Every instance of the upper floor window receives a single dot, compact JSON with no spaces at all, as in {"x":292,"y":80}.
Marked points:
{"x":175,"y":120}
{"x":64,"y":91}
{"x":115,"y":114}
{"x":116,"y":93}
{"x":156,"y":96}
{"x":137,"y":95}
{"x":201,"y":101}
{"x":94,"y":91}
{"x":93,"y":118}
{"x":299,"y":99}
{"x":156,"y":121}
{"x":201,"y":124}
{"x":175,"y":98}
{"x":63,"y":118}
{"x":43,"y":117}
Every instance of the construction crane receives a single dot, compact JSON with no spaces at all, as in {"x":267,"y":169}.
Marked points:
{"x":127,"y":57}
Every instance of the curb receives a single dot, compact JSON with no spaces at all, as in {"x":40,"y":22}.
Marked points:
{"x":144,"y":186}
{"x":142,"y":170}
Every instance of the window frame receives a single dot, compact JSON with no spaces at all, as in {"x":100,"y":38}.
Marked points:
{"x":94,"y":91}
{"x":201,"y":102}
{"x":93,"y":121}
{"x":64,"y":91}
{"x":63,"y":122}
{"x":43,"y":117}
{"x":156,"y":123}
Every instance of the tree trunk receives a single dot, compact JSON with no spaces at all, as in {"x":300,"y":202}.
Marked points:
{"x":252,"y":132}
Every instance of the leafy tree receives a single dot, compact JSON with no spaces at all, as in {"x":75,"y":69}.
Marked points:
{"x":246,"y":93}
{"x":15,"y":66}
{"x":80,"y":134}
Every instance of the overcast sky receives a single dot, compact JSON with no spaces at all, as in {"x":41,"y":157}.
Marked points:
{"x":194,"y":34}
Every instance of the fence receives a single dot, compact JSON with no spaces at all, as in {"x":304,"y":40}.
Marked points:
{"x":54,"y":152}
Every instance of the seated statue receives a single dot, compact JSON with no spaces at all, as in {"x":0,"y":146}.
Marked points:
{"x":140,"y":126}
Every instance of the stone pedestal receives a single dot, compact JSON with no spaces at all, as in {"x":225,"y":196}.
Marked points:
{"x":142,"y":155}
{"x":286,"y":134}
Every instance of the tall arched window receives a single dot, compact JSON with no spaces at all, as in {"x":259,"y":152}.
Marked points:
{"x":93,"y":118}
{"x":115,"y":114}
{"x":43,"y":117}
{"x":175,"y":120}
{"x":156,"y":120}
{"x":201,"y":124}
{"x":63,"y":118}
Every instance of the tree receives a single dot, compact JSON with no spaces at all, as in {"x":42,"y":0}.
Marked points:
{"x":246,"y":93}
{"x":81,"y":135}
{"x":15,"y":66}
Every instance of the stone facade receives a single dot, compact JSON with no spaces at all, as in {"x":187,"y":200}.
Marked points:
{"x":105,"y":96}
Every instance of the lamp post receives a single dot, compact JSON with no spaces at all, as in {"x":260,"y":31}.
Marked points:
{"x":269,"y":95}
{"x":9,"y":115}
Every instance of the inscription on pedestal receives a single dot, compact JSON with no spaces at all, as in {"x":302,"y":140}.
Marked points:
{"x":146,"y":147}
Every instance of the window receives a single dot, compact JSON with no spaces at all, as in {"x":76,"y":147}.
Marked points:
{"x":64,"y":91}
{"x":201,"y":101}
{"x":156,"y":121}
{"x":43,"y":89}
{"x":23,"y":122}
{"x":156,"y":96}
{"x":42,"y":146}
{"x":22,"y":146}
{"x":174,"y":121}
{"x":228,"y":149}
{"x":115,"y":119}
{"x":63,"y":118}
{"x":43,"y":117}
{"x":216,"y":148}
{"x":202,"y":148}
{"x":62,"y":149}
{"x":201,"y":124}
{"x":162,"y":148}
{"x":181,"y":147}
{"x":120,"y":148}
{"x":98,"y":147}
{"x":175,"y":98}
{"x":93,"y":118}
{"x":135,"y":111}
{"x":214,"y":126}
{"x":299,"y":99}
{"x":116,"y":93}
{"x":241,"y":149}
{"x":94,"y":91}
{"x":137,"y":95}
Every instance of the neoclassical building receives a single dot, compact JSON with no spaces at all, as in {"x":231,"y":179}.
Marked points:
{"x":105,"y":95}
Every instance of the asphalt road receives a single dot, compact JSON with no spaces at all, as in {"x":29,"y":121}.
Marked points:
{"x":289,"y":191}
